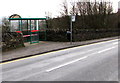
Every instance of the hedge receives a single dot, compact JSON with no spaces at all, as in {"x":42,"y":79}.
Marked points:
{"x":80,"y":35}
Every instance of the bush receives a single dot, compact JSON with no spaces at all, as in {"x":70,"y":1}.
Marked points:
{"x":80,"y":35}
{"x":11,"y":40}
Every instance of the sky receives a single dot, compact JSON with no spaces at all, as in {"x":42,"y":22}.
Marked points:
{"x":35,"y":8}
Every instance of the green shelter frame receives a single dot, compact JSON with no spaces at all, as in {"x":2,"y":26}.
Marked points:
{"x":33,"y":28}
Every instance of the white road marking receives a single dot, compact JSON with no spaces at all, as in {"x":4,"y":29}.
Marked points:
{"x":49,"y":70}
{"x":115,"y":43}
{"x":106,"y":49}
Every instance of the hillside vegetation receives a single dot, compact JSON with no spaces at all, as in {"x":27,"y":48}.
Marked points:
{"x":93,"y":20}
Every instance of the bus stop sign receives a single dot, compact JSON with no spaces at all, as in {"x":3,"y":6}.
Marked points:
{"x":73,"y":18}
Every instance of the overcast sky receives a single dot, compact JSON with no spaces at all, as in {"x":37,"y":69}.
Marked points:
{"x":35,"y":8}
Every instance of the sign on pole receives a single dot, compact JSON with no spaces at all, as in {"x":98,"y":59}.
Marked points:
{"x":73,"y":18}
{"x":71,"y":26}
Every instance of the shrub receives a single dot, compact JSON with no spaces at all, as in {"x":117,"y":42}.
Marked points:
{"x":11,"y":40}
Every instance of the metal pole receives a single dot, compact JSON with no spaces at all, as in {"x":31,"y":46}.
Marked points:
{"x":71,"y":30}
{"x":27,"y":27}
{"x":30,"y":33}
{"x":19,"y":26}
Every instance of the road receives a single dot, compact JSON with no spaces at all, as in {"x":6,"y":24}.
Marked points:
{"x":94,"y":62}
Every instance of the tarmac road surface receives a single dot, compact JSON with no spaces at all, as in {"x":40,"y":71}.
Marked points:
{"x":94,"y":62}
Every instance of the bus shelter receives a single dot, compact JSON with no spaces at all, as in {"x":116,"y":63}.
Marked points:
{"x":33,"y":29}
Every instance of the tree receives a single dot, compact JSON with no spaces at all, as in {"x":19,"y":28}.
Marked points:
{"x":10,"y":40}
{"x":94,"y":14}
{"x":5,"y":25}
{"x":64,"y":11}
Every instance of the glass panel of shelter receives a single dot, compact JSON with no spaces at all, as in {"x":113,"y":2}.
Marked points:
{"x":32,"y":30}
{"x":14,"y":25}
{"x":34,"y":35}
{"x":42,"y":29}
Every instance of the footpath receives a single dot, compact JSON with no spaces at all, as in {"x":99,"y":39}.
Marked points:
{"x":44,"y":47}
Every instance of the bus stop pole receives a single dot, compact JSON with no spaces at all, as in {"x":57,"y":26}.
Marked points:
{"x":71,"y":30}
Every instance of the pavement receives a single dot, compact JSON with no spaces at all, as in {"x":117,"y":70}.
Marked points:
{"x":44,"y":47}
{"x":94,"y":62}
